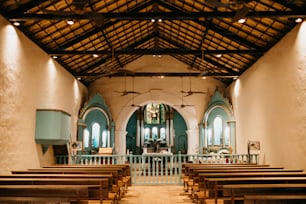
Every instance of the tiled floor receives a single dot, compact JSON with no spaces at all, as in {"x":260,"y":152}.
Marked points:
{"x":159,"y":194}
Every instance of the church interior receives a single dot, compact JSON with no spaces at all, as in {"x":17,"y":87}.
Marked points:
{"x":174,"y":81}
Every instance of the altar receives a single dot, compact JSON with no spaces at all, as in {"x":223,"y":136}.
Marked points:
{"x":157,"y":161}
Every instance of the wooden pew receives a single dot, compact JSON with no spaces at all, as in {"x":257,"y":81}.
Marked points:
{"x":199,"y":175}
{"x":126,"y":176}
{"x":215,"y":185}
{"x":188,"y":181}
{"x":100,"y":192}
{"x":115,"y":171}
{"x":44,"y":193}
{"x":270,"y":191}
{"x":193,"y":167}
{"x":202,"y":193}
{"x":277,"y":199}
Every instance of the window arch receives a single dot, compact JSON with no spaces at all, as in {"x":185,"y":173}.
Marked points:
{"x":218,"y":130}
{"x":95,"y":131}
{"x":85,"y":138}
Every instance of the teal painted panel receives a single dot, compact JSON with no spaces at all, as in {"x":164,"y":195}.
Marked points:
{"x":52,"y":127}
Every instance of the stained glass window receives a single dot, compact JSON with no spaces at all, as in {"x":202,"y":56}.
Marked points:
{"x":154,"y":114}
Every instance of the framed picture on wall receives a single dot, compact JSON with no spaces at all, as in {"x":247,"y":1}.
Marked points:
{"x":76,"y":145}
{"x":254,"y":145}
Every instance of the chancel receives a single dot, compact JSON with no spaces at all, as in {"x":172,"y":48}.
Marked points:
{"x":195,"y":99}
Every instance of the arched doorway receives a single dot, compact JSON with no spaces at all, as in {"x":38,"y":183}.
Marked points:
{"x":157,"y":127}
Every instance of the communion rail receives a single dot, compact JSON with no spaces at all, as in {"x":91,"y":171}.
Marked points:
{"x":159,"y":168}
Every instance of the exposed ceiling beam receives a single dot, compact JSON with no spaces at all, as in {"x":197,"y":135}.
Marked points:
{"x":150,"y":15}
{"x":157,"y":51}
{"x":161,"y":74}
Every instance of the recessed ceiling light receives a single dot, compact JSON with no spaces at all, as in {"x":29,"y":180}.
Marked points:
{"x":95,"y":55}
{"x":70,"y":22}
{"x":241,"y":20}
{"x":203,"y":77}
{"x":152,"y":20}
{"x":160,"y":20}
{"x":218,"y":55}
{"x":54,"y":57}
{"x":16,"y":23}
{"x":298,"y":20}
{"x":79,"y":78}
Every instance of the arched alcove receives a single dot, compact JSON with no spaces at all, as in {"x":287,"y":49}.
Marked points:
{"x":157,"y":128}
{"x":95,"y":126}
{"x":186,"y":113}
{"x":218,"y":128}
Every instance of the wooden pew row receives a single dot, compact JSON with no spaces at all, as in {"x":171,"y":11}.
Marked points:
{"x":44,"y":193}
{"x":117,"y":185}
{"x":272,"y":192}
{"x":197,"y":169}
{"x":188,"y":180}
{"x":109,"y":177}
{"x":125,"y":167}
{"x":189,"y":166}
{"x":98,"y":186}
{"x":216,"y":185}
{"x":121,"y":180}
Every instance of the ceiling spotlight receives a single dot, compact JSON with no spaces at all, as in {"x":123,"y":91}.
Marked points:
{"x":152,"y":20}
{"x":204,"y":77}
{"x":16,"y":23}
{"x":160,"y":20}
{"x":241,"y":20}
{"x":218,"y":55}
{"x":79,"y":78}
{"x":298,"y":20}
{"x":54,"y":57}
{"x":235,"y":78}
{"x":70,"y":22}
{"x":95,"y":55}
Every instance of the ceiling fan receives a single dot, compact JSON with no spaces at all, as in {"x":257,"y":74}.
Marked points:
{"x":125,"y":91}
{"x":182,"y":105}
{"x":190,"y":92}
{"x":240,"y":6}
{"x":133,"y":96}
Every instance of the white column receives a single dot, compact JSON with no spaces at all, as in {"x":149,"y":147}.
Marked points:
{"x":193,"y":141}
{"x":120,"y":142}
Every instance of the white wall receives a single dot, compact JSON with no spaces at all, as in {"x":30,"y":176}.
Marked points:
{"x":269,"y":102}
{"x":160,"y":90}
{"x":29,"y":80}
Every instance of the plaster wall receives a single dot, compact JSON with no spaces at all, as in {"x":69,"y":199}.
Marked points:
{"x":30,"y":80}
{"x":165,"y":90}
{"x":269,"y":103}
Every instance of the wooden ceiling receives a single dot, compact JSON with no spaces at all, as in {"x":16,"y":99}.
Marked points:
{"x":109,"y":34}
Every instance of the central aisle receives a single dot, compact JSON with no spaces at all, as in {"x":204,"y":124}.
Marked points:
{"x":159,"y":194}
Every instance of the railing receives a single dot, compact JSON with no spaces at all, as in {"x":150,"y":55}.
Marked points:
{"x":159,"y":169}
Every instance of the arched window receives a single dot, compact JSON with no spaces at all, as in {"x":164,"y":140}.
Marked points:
{"x":162,"y":133}
{"x":95,"y":135}
{"x":104,"y":138}
{"x":155,"y":133}
{"x":147,"y":133}
{"x":217,"y":127}
{"x":85,"y":138}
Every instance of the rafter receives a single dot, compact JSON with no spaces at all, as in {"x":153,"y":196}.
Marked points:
{"x":150,"y":15}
